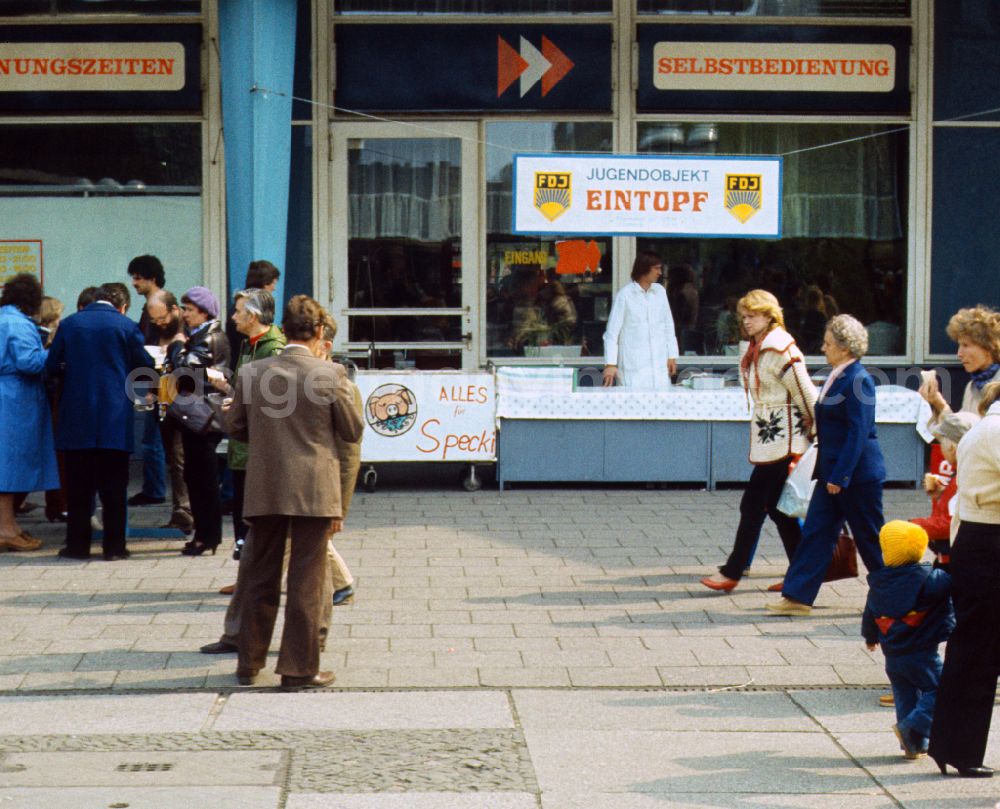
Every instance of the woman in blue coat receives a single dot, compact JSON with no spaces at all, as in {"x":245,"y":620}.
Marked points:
{"x":849,"y":472}
{"x":28,"y":460}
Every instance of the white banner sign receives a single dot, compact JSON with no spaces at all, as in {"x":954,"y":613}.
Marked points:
{"x":774,"y":67}
{"x":636,"y":195}
{"x":38,"y":67}
{"x":428,"y":416}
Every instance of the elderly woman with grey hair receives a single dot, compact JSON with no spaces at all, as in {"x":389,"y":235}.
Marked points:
{"x":849,"y":470}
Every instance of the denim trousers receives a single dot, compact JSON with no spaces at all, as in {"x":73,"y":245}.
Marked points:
{"x":154,"y":461}
{"x":914,"y":678}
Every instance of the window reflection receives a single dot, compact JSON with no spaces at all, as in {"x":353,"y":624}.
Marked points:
{"x":843,"y":247}
{"x":472,"y":6}
{"x":40,"y":7}
{"x":780,"y":8}
{"x":85,"y":159}
{"x":546,"y":296}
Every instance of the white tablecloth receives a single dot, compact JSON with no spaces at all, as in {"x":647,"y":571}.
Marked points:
{"x":893,"y":404}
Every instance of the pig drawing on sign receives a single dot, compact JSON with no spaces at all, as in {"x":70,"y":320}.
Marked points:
{"x":391,"y":410}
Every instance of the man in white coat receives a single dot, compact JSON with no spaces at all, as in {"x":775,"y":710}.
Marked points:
{"x":640,"y":345}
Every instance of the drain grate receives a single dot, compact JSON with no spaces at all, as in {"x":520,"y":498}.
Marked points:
{"x":145,"y":766}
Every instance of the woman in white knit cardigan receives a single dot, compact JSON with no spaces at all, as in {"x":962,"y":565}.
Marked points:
{"x":774,"y":375}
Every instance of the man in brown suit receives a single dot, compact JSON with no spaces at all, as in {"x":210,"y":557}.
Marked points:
{"x":290,"y":408}
{"x":341,"y":582}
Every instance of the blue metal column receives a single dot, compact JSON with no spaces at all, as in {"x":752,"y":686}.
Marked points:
{"x":257,"y":44}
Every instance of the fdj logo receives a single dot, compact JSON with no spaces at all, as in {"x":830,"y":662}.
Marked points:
{"x":553,"y":193}
{"x":743,"y":182}
{"x":743,"y":195}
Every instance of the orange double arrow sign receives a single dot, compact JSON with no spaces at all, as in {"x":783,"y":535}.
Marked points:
{"x":530,"y":65}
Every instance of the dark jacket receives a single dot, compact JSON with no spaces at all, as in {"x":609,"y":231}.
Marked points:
{"x":94,"y":351}
{"x":206,"y":348}
{"x":845,"y":429}
{"x":268,"y":345}
{"x":908,"y":609}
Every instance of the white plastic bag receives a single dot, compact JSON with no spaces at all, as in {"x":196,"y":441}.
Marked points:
{"x":798,"y":488}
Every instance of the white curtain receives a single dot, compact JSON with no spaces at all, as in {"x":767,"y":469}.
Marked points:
{"x":405,"y":188}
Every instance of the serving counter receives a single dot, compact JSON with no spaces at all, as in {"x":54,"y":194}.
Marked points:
{"x":549,"y":431}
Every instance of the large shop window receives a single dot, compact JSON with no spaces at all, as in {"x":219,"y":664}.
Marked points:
{"x":545,"y":296}
{"x":472,"y":6}
{"x":780,"y":8}
{"x":43,"y":7}
{"x":93,"y":196}
{"x":843,"y":244}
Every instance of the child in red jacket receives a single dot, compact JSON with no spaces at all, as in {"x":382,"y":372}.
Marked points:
{"x":941,"y":488}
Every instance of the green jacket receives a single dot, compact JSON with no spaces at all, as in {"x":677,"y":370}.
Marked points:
{"x":270,"y":344}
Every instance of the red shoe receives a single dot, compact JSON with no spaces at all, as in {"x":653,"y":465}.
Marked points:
{"x":777,"y":587}
{"x":725,"y":586}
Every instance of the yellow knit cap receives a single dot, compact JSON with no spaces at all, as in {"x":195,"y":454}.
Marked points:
{"x":903,"y":543}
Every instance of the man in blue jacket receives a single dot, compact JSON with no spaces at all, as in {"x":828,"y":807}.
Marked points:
{"x":908,"y":614}
{"x":94,"y":352}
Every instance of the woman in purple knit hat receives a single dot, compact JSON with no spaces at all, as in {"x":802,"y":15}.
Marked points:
{"x":205,"y":349}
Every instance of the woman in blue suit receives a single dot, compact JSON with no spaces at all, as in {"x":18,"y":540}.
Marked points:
{"x":849,"y":470}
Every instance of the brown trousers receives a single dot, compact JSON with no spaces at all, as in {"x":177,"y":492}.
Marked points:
{"x":260,"y":580}
{"x":339,"y":576}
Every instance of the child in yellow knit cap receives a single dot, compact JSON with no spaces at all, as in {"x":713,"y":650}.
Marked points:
{"x":908,"y":614}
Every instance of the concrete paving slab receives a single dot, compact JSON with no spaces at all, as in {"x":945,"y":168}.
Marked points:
{"x":141,"y":769}
{"x":846,"y":711}
{"x":99,"y":713}
{"x":142,"y":797}
{"x":361,"y":711}
{"x":651,"y":710}
{"x":729,"y":800}
{"x":68,"y":681}
{"x":413,"y":800}
{"x":919,"y":781}
{"x":672,"y":763}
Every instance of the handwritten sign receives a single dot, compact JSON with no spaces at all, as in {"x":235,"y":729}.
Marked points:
{"x":428,"y":416}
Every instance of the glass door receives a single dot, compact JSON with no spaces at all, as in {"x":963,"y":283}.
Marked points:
{"x":405,"y":230}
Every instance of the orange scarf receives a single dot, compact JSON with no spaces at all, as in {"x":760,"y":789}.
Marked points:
{"x":751,"y":358}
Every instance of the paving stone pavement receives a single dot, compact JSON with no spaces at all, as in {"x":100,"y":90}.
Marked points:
{"x":537,"y":648}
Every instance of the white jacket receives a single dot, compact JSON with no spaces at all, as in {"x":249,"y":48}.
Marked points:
{"x":979,"y":470}
{"x":640,"y":337}
{"x":783,"y":399}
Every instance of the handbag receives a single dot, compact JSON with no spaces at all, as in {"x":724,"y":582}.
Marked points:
{"x":844,"y":562}
{"x":798,"y":488}
{"x":196,"y":413}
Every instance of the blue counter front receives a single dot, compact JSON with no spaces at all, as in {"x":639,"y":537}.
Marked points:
{"x":681,"y":436}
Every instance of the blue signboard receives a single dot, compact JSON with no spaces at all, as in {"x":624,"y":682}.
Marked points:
{"x":457,"y":68}
{"x":774,"y":68}
{"x":98,"y":68}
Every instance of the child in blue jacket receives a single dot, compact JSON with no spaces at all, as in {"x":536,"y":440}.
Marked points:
{"x":909,"y":613}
